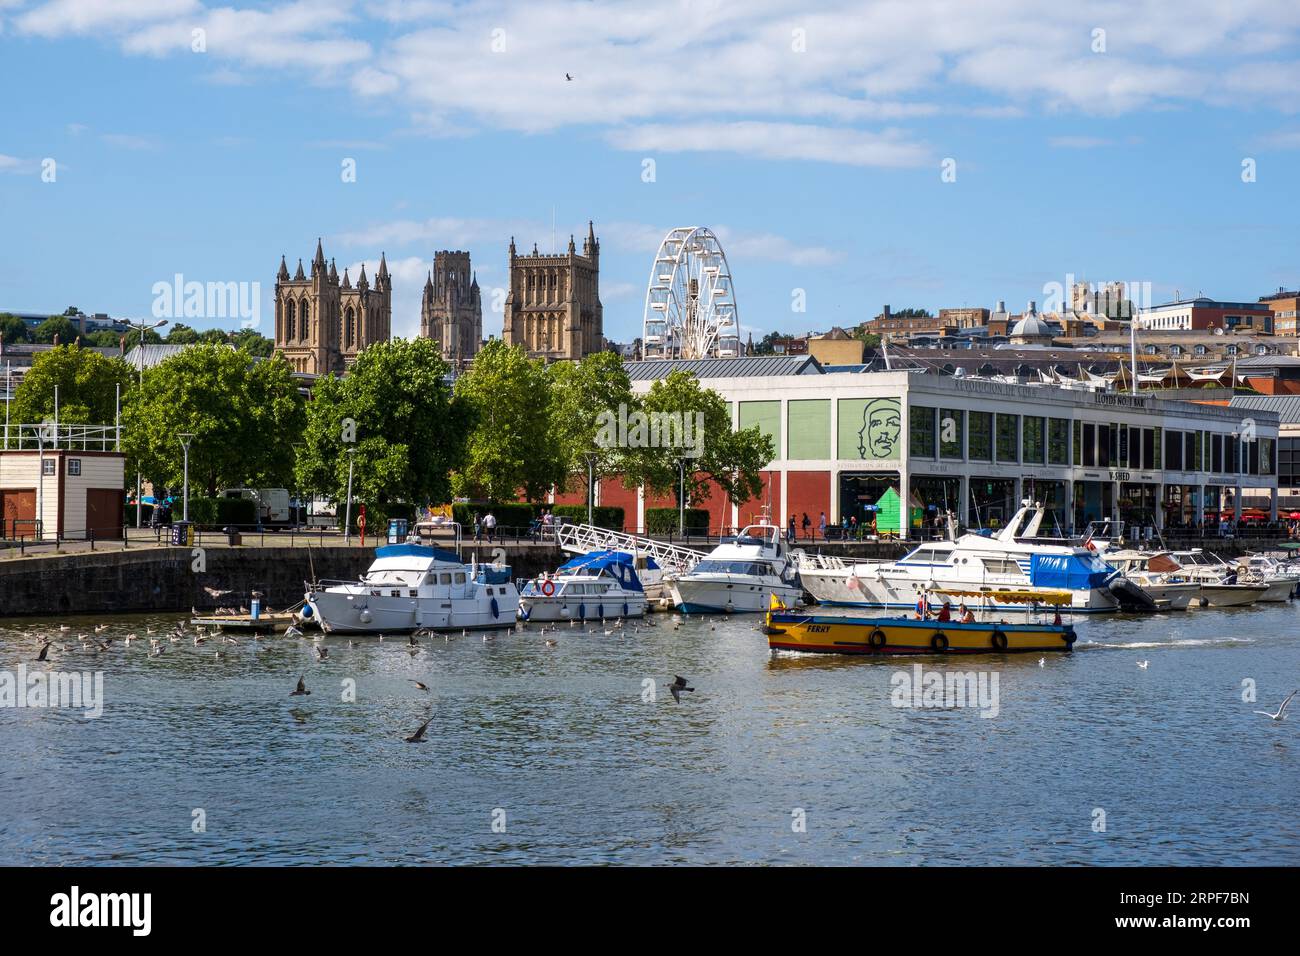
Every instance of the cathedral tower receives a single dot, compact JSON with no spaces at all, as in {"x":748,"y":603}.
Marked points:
{"x":321,"y":322}
{"x":451,"y":311}
{"x":553,"y":307}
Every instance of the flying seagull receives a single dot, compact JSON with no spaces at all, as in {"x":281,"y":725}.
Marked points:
{"x":322,"y":653}
{"x":45,"y":650}
{"x":302,"y":690}
{"x":568,"y":77}
{"x":677,"y":686}
{"x":424,"y":687}
{"x":1281,"y":711}
{"x":418,"y":736}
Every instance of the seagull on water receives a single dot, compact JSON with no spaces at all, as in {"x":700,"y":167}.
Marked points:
{"x":677,"y":686}
{"x":1042,"y":662}
{"x":322,"y":653}
{"x":1281,"y":711}
{"x":302,"y":690}
{"x":1144,"y":664}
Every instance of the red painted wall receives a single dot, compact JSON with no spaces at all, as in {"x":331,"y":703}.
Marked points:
{"x":751,"y":511}
{"x":614,"y":495}
{"x":810,"y":491}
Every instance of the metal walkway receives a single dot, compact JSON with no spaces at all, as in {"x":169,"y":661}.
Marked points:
{"x":585,"y":538}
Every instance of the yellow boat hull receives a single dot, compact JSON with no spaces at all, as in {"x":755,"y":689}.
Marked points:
{"x":787,"y":631}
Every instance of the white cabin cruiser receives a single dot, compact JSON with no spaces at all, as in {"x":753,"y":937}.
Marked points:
{"x":410,"y":587}
{"x":1220,"y":586}
{"x":603,"y":584}
{"x":1261,"y":569}
{"x":978,"y":562}
{"x":741,"y":574}
{"x":1159,"y":575}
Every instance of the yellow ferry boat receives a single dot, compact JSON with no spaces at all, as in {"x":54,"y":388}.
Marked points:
{"x":825,"y":634}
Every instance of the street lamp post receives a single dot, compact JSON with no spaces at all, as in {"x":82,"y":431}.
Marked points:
{"x":186,"y":438}
{"x":347,"y":514}
{"x":681,"y":496}
{"x":142,"y":328}
{"x":591,"y":485}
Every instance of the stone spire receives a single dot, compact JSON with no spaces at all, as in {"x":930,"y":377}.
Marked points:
{"x":334,"y":272}
{"x":283,"y":274}
{"x":347,"y":283}
{"x":319,"y":261}
{"x":362,"y":283}
{"x":299,"y":276}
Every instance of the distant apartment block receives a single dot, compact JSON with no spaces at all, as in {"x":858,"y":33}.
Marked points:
{"x":1284,"y":306}
{"x":1204,"y":314}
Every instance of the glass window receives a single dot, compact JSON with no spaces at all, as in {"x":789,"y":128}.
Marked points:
{"x":48,"y":466}
{"x":1078,"y":443}
{"x":444,"y":578}
{"x":74,"y":466}
{"x":951,"y":433}
{"x":1008,"y":437}
{"x":1124,"y":450}
{"x":1034,"y":444}
{"x":1266,"y":456}
{"x":981,"y":436}
{"x":1089,"y":445}
{"x":922,"y":428}
{"x":1150,"y":448}
{"x":1106,"y":441}
{"x":1174,"y":450}
{"x":1216,"y":454}
{"x":460,"y":577}
{"x":1058,"y":441}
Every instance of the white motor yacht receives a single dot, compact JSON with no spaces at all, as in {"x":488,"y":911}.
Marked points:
{"x":603,"y":584}
{"x":741,"y":574}
{"x":1219,"y":582}
{"x":411,"y":587}
{"x":1008,"y":561}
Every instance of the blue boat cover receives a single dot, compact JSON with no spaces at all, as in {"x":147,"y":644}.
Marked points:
{"x":416,"y":551}
{"x":617,"y":564}
{"x":1069,"y":571}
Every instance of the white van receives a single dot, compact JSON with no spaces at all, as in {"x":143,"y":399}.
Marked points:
{"x":273,"y":509}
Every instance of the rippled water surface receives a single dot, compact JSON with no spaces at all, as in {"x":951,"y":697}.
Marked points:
{"x":559,"y":743}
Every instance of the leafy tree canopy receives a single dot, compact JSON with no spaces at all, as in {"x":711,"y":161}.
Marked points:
{"x":87,"y":384}
{"x":13,"y":329}
{"x":585,"y":397}
{"x":510,"y":446}
{"x":732,"y":460}
{"x":245,"y":417}
{"x":397,"y":410}
{"x":59,"y":325}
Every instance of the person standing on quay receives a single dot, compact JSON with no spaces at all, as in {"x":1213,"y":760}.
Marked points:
{"x":821,"y":526}
{"x":489,"y":525}
{"x":807,"y":523}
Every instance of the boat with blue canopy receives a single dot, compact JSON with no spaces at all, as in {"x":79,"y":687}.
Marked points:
{"x":599,"y":585}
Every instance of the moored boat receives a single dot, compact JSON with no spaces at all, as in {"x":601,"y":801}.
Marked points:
{"x":741,"y":574}
{"x":604,"y":584}
{"x":825,"y":634}
{"x":410,"y":587}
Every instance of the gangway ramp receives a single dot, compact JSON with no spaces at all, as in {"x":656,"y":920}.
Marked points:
{"x":585,"y":538}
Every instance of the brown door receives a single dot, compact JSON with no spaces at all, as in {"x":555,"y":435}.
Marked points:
{"x":104,"y":509}
{"x":19,"y":507}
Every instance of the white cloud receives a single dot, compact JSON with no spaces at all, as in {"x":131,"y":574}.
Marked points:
{"x":778,"y":141}
{"x":62,"y":17}
{"x":1079,"y":142}
{"x":128,"y":141}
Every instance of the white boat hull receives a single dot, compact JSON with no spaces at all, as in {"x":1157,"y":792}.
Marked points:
{"x":1279,"y":589}
{"x":341,"y":612}
{"x":540,"y":608}
{"x":1229,"y":595}
{"x":1172,"y":597}
{"x":730,"y":594}
{"x":832,"y":586}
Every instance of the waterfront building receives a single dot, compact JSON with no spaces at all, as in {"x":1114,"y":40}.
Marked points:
{"x":845,"y":440}
{"x":1284,"y":306}
{"x":62,"y":481}
{"x":323,"y":322}
{"x":553,"y":307}
{"x":451,"y":311}
{"x":1203,"y":314}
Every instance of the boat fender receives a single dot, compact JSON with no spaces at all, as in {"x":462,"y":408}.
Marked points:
{"x":548,"y":587}
{"x":600,"y":611}
{"x":999,"y":639}
{"x":496,"y":610}
{"x":939,"y":642}
{"x":877,"y":639}
{"x":364,"y":616}
{"x":1069,"y":636}
{"x":306,"y":610}
{"x":625,"y":609}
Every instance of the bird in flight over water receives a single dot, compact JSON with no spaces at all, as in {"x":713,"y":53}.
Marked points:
{"x":1281,"y":711}
{"x":677,"y":686}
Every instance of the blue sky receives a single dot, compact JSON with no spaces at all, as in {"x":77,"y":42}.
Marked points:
{"x":812,"y":142}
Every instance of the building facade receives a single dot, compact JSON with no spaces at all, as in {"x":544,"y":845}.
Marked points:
{"x":844,"y":440}
{"x":1203,"y":314}
{"x":323,"y":322}
{"x":451,"y":311}
{"x":553,"y":307}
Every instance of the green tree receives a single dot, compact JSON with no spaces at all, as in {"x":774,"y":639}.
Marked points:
{"x":245,"y":417}
{"x":59,"y":325}
{"x":13,"y":329}
{"x":718,"y":455}
{"x":87,"y":382}
{"x":103,"y":339}
{"x":151,"y":337}
{"x":510,"y":447}
{"x":253,"y":342}
{"x":408,"y":429}
{"x":585,"y":396}
{"x":182,"y":334}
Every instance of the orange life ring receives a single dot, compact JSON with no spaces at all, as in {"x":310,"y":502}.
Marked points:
{"x":548,"y":587}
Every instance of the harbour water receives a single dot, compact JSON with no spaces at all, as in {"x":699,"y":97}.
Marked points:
{"x":541,"y":754}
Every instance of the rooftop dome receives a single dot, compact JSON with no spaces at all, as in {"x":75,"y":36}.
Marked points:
{"x":1031,"y":325}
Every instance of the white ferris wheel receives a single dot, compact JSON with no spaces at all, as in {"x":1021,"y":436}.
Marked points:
{"x":690,"y":305}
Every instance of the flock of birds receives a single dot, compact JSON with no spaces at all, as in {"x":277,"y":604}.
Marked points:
{"x":161,"y":639}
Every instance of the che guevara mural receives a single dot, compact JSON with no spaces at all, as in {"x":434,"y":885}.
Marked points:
{"x":870,"y":429}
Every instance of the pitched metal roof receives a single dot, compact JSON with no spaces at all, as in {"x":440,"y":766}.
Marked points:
{"x":1287,"y":407}
{"x":750,"y":366}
